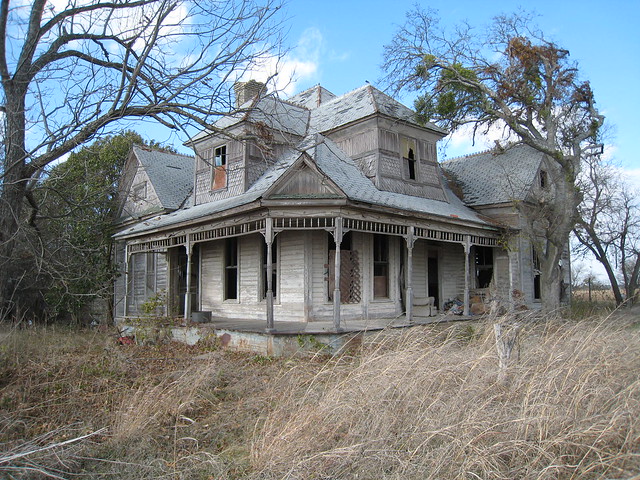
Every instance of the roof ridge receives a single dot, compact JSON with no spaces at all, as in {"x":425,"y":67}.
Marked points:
{"x":469,"y":155}
{"x":149,"y":149}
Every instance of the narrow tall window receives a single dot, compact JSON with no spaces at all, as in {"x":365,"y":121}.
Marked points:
{"x":544,"y":182}
{"x":410,"y":167}
{"x":219,"y":168}
{"x":380,"y":266}
{"x":274,"y":263}
{"x":411,"y":163}
{"x":537,"y":294}
{"x":231,"y":269}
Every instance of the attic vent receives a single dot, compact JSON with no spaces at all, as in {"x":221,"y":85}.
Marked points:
{"x":246,"y":91}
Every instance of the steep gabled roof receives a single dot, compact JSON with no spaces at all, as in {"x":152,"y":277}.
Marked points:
{"x":171,"y":175}
{"x":489,"y":178}
{"x":358,"y":104}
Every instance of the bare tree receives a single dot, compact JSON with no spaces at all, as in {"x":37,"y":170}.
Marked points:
{"x":609,"y":226}
{"x":508,"y":77}
{"x":67,"y":74}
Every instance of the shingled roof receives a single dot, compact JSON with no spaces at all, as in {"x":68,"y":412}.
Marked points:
{"x":171,"y":175}
{"x":489,"y":177}
{"x":340,"y":169}
{"x":361,"y":103}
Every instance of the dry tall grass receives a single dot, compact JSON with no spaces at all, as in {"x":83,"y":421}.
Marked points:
{"x":426,"y":407}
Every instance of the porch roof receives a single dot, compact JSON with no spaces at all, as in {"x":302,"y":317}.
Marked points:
{"x":338,"y":167}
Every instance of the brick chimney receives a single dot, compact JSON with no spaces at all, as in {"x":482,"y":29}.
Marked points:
{"x":246,"y":91}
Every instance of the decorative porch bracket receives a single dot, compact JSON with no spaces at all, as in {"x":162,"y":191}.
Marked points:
{"x":410,"y":238}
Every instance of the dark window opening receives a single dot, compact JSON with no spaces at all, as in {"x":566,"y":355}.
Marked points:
{"x":543,"y":179}
{"x":274,"y":263}
{"x":411,"y":163}
{"x":484,"y":266}
{"x":380,"y":266}
{"x":231,"y":269}
{"x":537,"y":294}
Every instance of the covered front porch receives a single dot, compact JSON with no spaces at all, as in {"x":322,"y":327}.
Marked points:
{"x":300,"y":276}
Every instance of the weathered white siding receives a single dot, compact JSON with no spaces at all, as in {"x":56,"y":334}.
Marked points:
{"x":451,"y":267}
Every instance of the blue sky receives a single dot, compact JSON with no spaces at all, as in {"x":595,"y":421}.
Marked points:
{"x":339,"y":44}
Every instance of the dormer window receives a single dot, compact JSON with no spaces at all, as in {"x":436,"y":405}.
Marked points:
{"x":410,"y":167}
{"x":544,"y":181}
{"x":219,"y":168}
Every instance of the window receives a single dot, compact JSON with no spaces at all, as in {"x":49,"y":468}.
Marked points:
{"x":544,"y":182}
{"x":380,"y":266}
{"x":536,"y":276}
{"x":140,"y":191}
{"x":411,"y":163}
{"x":231,"y":269}
{"x":409,"y":156}
{"x":219,"y":168}
{"x":274,"y":263}
{"x":484,"y":266}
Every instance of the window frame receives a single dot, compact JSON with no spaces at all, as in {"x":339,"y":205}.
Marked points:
{"x":381,"y":240}
{"x":219,"y":177}
{"x":231,"y":270}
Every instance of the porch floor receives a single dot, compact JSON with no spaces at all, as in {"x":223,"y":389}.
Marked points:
{"x":327,"y":327}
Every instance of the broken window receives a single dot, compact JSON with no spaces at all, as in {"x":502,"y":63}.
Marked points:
{"x":231,"y":269}
{"x":380,"y":266}
{"x":484,"y":266}
{"x":543,"y":179}
{"x":219,"y":168}
{"x":537,"y":294}
{"x":409,"y":156}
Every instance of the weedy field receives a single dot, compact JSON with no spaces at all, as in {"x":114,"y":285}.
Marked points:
{"x":420,"y":403}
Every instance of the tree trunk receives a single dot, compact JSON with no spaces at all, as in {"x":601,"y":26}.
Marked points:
{"x":14,"y":185}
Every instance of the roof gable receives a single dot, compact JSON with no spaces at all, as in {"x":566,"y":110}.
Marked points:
{"x":304,"y":180}
{"x":171,"y":175}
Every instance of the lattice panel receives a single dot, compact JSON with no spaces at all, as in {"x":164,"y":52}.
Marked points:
{"x":350,"y":285}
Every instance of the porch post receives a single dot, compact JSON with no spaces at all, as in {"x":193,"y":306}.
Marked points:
{"x":409,"y":292}
{"x":268,"y":237}
{"x":126,"y":278}
{"x":512,"y":280}
{"x":187,"y":295}
{"x":337,"y":236}
{"x":467,"y":270}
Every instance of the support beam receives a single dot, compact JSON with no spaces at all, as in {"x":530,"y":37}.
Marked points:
{"x":187,"y":295}
{"x":268,"y":237}
{"x":337,"y":236}
{"x":409,"y":291}
{"x":467,"y":271}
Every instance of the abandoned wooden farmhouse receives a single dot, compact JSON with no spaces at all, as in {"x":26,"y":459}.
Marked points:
{"x":323,"y":208}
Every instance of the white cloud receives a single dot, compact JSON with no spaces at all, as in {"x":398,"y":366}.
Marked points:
{"x":285,"y":72}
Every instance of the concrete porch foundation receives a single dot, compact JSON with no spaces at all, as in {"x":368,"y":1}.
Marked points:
{"x":291,"y":338}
